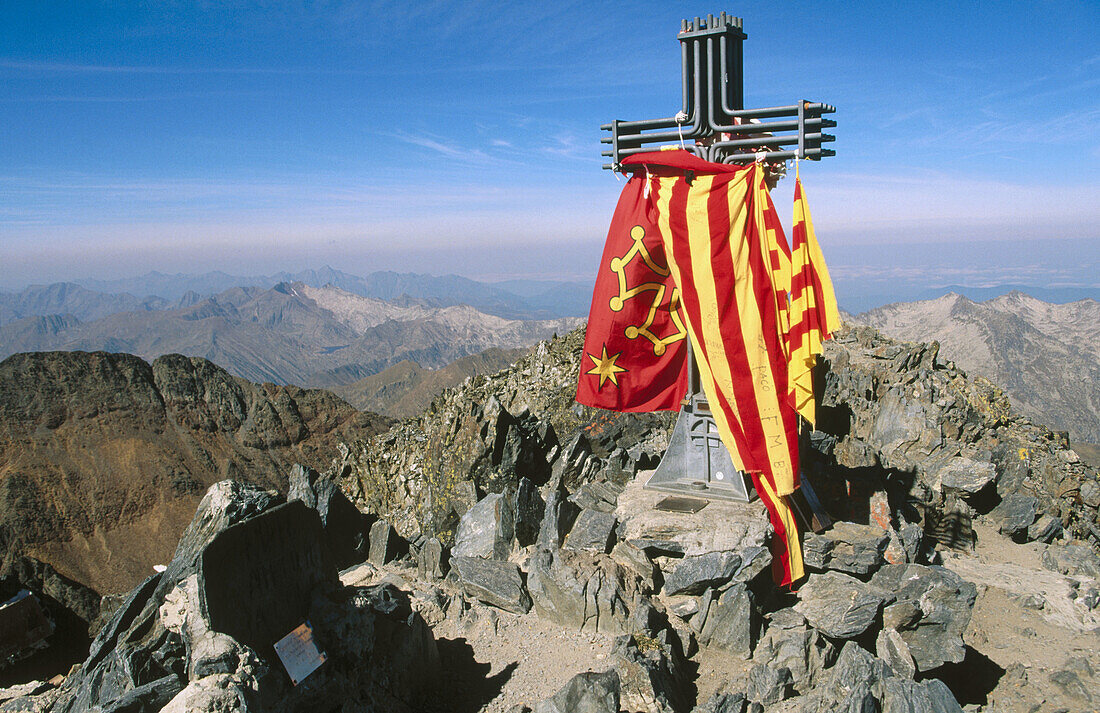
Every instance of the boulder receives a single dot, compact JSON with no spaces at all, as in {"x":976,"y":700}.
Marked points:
{"x":732,"y":622}
{"x":1015,"y":513}
{"x":433,"y":560}
{"x":582,"y":590}
{"x":1045,"y":529}
{"x":593,"y":531}
{"x":1074,"y":558}
{"x":838,"y":605}
{"x":648,"y":675}
{"x":964,"y":475}
{"x":789,"y":642}
{"x":585,"y":693}
{"x":930,"y":608}
{"x":486,"y":530}
{"x":847,"y":547}
{"x":385,"y":544}
{"x":637,"y":561}
{"x":558,"y":517}
{"x":768,"y":685}
{"x":493,"y":582}
{"x":694,"y":575}
{"x":600,"y":496}
{"x":722,"y":702}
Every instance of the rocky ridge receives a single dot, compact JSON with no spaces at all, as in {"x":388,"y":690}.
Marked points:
{"x":507,"y":507}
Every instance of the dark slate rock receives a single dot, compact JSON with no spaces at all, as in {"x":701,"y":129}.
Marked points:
{"x":601,"y":496}
{"x":585,"y":693}
{"x":768,"y":685}
{"x":838,"y":605}
{"x":1015,"y":513}
{"x":1046,"y":529}
{"x":732,"y":622}
{"x":433,"y":560}
{"x":964,"y":475}
{"x":570,"y":464}
{"x":147,"y":698}
{"x":649,"y":677}
{"x":260,"y":603}
{"x":891,"y":648}
{"x":592,"y":532}
{"x":790,"y":643}
{"x":385,"y":544}
{"x":581,"y":590}
{"x":134,"y":649}
{"x":528,"y":508}
{"x":493,"y":582}
{"x":558,"y":517}
{"x":755,"y":561}
{"x":486,"y":530}
{"x":637,"y":561}
{"x":1075,"y":558}
{"x":722,"y":702}
{"x":847,"y":547}
{"x":693,"y":575}
{"x":657,"y":548}
{"x":930,"y":609}
{"x":346,"y":529}
{"x":900,"y":695}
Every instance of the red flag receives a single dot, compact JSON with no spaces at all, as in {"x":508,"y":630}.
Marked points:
{"x":635,"y":356}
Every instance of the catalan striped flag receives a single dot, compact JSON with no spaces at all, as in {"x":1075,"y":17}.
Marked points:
{"x":725,"y":264}
{"x":814,"y":314}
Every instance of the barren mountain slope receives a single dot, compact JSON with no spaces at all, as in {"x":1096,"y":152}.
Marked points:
{"x":103,"y":457}
{"x":1045,"y":356}
{"x":292,"y":333}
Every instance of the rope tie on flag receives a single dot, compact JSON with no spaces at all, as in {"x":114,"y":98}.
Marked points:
{"x":681,"y":117}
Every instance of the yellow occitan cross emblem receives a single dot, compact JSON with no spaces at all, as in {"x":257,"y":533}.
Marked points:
{"x":633,"y":331}
{"x":605,"y":367}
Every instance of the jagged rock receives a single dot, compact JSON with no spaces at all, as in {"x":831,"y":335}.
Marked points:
{"x":529,"y":507}
{"x":637,"y":561}
{"x":838,"y":605}
{"x":1015,"y":513}
{"x":346,"y":529}
{"x":385,"y":544}
{"x":493,"y":582}
{"x":487,"y":529}
{"x":767,"y":684}
{"x":722,"y":702}
{"x":592,"y":532}
{"x":693,"y":575}
{"x":930,"y":608}
{"x":559,"y":516}
{"x":1074,"y":558}
{"x":1090,"y":493}
{"x":891,"y":648}
{"x":847,"y":547}
{"x":585,"y":693}
{"x":601,"y":496}
{"x":755,"y":560}
{"x":931,"y":696}
{"x":647,"y":675}
{"x":732,"y":622}
{"x":135,"y":632}
{"x":581,"y":590}
{"x":790,"y":643}
{"x":964,"y":474}
{"x":1045,"y":529}
{"x":432,"y":561}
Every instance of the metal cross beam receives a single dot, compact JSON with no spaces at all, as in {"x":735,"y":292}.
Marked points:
{"x":713,"y":122}
{"x":714,"y":125}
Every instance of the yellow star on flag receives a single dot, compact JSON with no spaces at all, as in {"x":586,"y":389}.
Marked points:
{"x":605,"y":367}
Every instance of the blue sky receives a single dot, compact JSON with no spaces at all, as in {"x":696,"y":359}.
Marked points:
{"x":461,"y":137}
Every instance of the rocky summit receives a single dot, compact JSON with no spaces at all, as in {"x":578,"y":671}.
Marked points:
{"x":499,"y":553}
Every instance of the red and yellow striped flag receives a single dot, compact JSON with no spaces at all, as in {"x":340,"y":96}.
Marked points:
{"x":726,"y":263}
{"x":814,"y":314}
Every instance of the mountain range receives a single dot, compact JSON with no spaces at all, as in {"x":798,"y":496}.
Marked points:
{"x":1045,"y":356}
{"x":293,"y":333}
{"x":92,"y":299}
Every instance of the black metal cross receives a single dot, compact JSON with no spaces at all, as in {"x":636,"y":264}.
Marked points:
{"x":714,"y":125}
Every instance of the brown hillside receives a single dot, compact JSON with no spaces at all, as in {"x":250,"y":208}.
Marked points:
{"x":103,"y":457}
